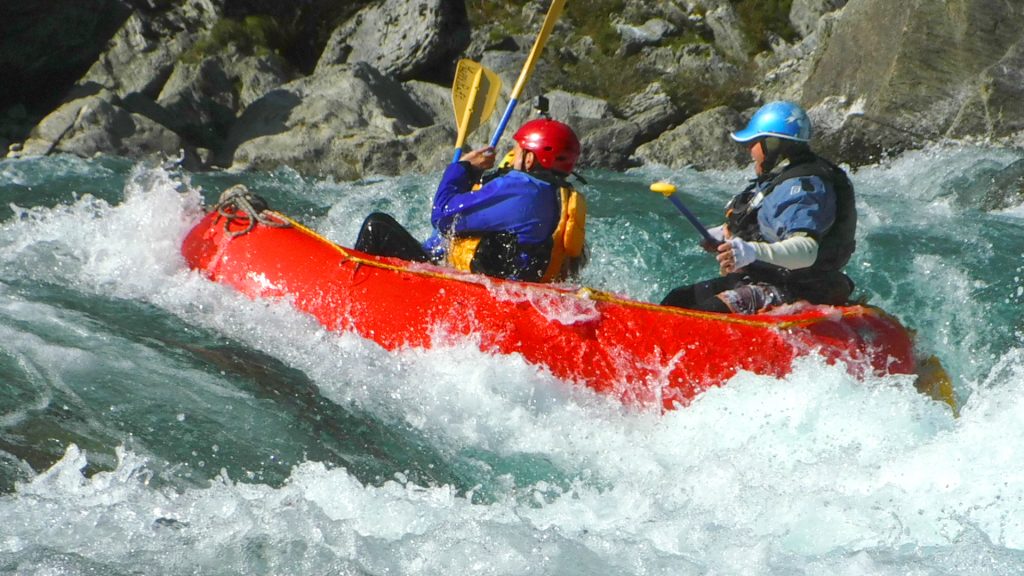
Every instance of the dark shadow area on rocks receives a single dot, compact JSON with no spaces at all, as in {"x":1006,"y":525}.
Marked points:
{"x":304,"y":26}
{"x":44,"y":48}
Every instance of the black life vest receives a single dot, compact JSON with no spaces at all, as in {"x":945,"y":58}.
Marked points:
{"x":837,"y":244}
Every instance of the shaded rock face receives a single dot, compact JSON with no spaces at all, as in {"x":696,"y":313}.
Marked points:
{"x":44,"y":48}
{"x":308,"y":23}
{"x":150,"y":99}
{"x":924,"y":70}
{"x":876,"y":77}
{"x":144,"y":51}
{"x":203,"y":99}
{"x":405,"y":38}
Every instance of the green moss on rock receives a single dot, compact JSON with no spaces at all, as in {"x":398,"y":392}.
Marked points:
{"x":605,"y":73}
{"x":759,"y":19}
{"x":253,"y":36}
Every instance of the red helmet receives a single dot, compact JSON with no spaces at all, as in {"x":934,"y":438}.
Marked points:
{"x":555,"y":144}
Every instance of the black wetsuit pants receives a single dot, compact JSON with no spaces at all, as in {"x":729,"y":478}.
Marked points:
{"x":384,"y":236}
{"x":741,"y":293}
{"x":498,"y":254}
{"x":703,"y":295}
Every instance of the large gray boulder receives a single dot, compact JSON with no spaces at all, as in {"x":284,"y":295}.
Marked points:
{"x":97,"y":125}
{"x":566,"y":106}
{"x":652,"y":110}
{"x":203,"y":98}
{"x":435,"y":100}
{"x":348,"y":121}
{"x":404,"y":38}
{"x":144,"y":51}
{"x":804,"y":14}
{"x":702,"y":142}
{"x":927,"y":70}
{"x":607,"y":143}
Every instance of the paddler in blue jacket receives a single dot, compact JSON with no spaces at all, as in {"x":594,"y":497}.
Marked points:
{"x":525,"y":224}
{"x":789,"y":234}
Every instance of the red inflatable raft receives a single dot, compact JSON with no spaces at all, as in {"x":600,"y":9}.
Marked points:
{"x":640,"y":352}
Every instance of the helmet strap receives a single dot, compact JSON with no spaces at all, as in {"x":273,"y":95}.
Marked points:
{"x":552,"y":176}
{"x":771,"y":147}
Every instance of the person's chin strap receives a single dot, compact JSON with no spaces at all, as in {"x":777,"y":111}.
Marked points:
{"x":772,"y":150}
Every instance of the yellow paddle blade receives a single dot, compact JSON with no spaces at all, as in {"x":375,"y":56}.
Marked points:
{"x":474,"y":94}
{"x":491,"y":90}
{"x":663,"y":188}
{"x":465,"y":72}
{"x":933,"y":380}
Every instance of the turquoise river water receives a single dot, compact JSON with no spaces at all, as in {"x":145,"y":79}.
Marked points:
{"x":153,"y":422}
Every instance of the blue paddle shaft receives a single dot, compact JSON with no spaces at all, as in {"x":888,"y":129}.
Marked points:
{"x":458,"y":154}
{"x":504,"y":121}
{"x":693,"y":219}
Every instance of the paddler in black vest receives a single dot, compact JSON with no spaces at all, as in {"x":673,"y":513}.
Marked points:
{"x":527,"y":223}
{"x":787,"y":235}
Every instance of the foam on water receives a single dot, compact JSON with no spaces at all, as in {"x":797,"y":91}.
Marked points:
{"x":752,"y":478}
{"x":815,"y":473}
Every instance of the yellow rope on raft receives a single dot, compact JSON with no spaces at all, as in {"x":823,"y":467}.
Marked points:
{"x":586,"y":293}
{"x":932,"y":379}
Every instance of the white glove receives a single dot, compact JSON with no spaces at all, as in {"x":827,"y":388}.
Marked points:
{"x":742,"y":252}
{"x":718,"y":233}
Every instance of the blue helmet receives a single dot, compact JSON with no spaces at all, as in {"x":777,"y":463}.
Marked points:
{"x":781,"y":119}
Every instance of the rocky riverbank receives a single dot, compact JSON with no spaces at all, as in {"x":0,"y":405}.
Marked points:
{"x":365,"y":88}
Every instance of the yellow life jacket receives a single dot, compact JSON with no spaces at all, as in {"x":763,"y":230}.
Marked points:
{"x":461,"y":251}
{"x":569,"y":237}
{"x":567,"y":240}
